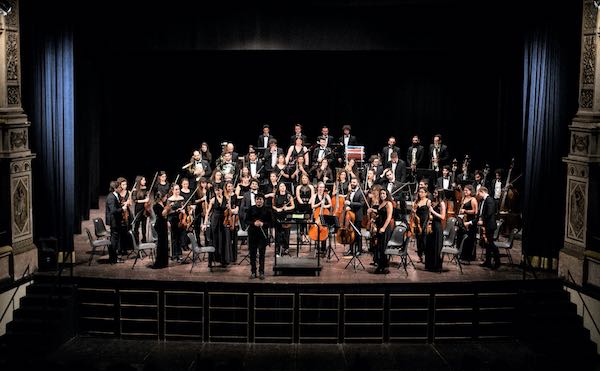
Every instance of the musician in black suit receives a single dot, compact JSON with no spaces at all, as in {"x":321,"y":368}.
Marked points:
{"x":114,"y":217}
{"x":248,"y":200}
{"x":386,"y":152}
{"x":255,"y":166}
{"x":398,"y":167}
{"x":375,"y":165}
{"x":415,"y":154}
{"x":438,"y":153}
{"x":389,"y":182}
{"x":271,"y":154}
{"x":321,"y":152}
{"x":479,"y":181}
{"x":356,"y":203}
{"x":329,"y":140}
{"x":297,"y":134}
{"x":487,"y":220}
{"x":259,"y":219}
{"x":264,"y":138}
{"x":445,"y":181}
{"x":229,"y":148}
{"x":345,"y":140}
{"x":496,"y":187}
{"x":196,"y":169}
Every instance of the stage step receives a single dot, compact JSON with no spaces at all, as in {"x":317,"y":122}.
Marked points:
{"x":43,"y":321}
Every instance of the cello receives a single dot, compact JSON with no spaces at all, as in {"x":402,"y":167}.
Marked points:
{"x":319,"y":232}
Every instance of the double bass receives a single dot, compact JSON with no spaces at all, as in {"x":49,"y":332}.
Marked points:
{"x":345,"y":234}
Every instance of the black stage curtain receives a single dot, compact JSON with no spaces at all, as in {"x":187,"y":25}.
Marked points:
{"x":549,"y":103}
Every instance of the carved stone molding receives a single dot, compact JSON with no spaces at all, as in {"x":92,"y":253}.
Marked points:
{"x":12,"y":56}
{"x":586,"y":98}
{"x":589,"y":16}
{"x":13,"y":96}
{"x":18,"y":139}
{"x":20,"y":166}
{"x":12,"y":19}
{"x":580,"y":143}
{"x":21,"y":206}
{"x":579,"y":171}
{"x":588,"y":59}
{"x":576,"y":210}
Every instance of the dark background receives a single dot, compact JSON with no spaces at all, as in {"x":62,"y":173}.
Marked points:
{"x":155,"y":79}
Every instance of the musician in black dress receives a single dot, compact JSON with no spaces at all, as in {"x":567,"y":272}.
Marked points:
{"x":125,"y":243}
{"x":295,"y":150}
{"x":435,"y":237}
{"x":342,"y":184}
{"x":487,"y":220}
{"x":385,"y":227}
{"x":161,"y":229}
{"x":139,"y":196}
{"x":231,"y":203}
{"x":162,"y":185}
{"x":297,"y":172}
{"x":323,"y":172}
{"x":176,"y":202}
{"x":258,"y":218}
{"x":282,"y":203}
{"x":468,"y":212}
{"x":421,"y":215}
{"x":216,"y":215}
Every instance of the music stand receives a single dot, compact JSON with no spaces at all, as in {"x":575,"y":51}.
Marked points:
{"x":330,"y":221}
{"x":355,"y":258}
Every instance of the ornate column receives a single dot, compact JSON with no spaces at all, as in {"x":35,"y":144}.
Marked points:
{"x":15,"y":156}
{"x":581,"y":253}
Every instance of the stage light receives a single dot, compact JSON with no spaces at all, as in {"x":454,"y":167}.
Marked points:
{"x":5,"y":7}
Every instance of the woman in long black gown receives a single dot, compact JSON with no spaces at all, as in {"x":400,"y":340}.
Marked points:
{"x":421,"y":210}
{"x":160,"y":227}
{"x":216,"y":213}
{"x":468,"y":211}
{"x":385,"y":227}
{"x":435,"y":239}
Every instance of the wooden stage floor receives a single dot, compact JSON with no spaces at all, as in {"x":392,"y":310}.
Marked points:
{"x":333,"y":271}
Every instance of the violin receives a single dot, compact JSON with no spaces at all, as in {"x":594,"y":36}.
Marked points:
{"x":185,"y":219}
{"x":414,"y":224}
{"x":230,"y":218}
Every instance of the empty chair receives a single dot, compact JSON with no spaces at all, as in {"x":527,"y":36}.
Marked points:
{"x":148,"y":248}
{"x":94,"y":244}
{"x":507,"y":245}
{"x":450,"y":232}
{"x":100,"y":229}
{"x":454,"y":252}
{"x":397,"y":247}
{"x":196,"y":250}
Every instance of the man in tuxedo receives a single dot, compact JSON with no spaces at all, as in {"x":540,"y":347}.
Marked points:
{"x":228,"y":166}
{"x":345,"y":140}
{"x":248,"y":200}
{"x":270,"y":156}
{"x":389,"y":182}
{"x":264,"y":138}
{"x":321,"y":152}
{"x":386,"y":152}
{"x":355,"y":203}
{"x":229,"y":148}
{"x":376,"y":166}
{"x":297,"y":134}
{"x":325,"y":134}
{"x":496,"y":186}
{"x":438,"y":153}
{"x":255,"y":166}
{"x":398,"y":167}
{"x":478,"y":182}
{"x":445,"y":181}
{"x":487,"y":220}
{"x":198,"y":168}
{"x":259,"y":219}
{"x":415,"y":154}
{"x":114,"y":217}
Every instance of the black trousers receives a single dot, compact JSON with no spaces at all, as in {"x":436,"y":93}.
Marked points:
{"x":140,"y":221}
{"x":491,"y":250}
{"x":282,"y":238}
{"x":115,"y":236}
{"x":257,"y":244}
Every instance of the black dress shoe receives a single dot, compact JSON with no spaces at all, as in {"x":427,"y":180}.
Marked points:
{"x":253,"y":276}
{"x":495,"y":266}
{"x":486,"y":265}
{"x":261,"y":275}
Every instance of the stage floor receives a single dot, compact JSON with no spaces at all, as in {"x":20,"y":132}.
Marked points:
{"x":333,"y":271}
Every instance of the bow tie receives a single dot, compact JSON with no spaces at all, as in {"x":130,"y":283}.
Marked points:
{"x":253,"y":163}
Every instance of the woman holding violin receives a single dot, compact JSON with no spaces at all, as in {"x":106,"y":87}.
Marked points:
{"x":320,"y":204}
{"x":139,"y":196}
{"x":419,"y":220}
{"x":385,"y":227}
{"x":127,"y":218}
{"x":435,"y":233}
{"x":282,"y":203}
{"x":467,"y":213}
{"x":230,"y":220}
{"x":200,"y":205}
{"x":175,"y":203}
{"x":216,"y":213}
{"x":161,"y":211}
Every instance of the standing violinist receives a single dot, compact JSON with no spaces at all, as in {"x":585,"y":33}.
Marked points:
{"x":175,"y":203}
{"x":139,"y":196}
{"x":468,"y":212}
{"x":282,"y":203}
{"x":215,"y":213}
{"x":435,"y":236}
{"x":162,"y":185}
{"x":385,"y":227}
{"x":201,"y":204}
{"x":356,"y":203}
{"x":125,"y":199}
{"x":160,"y":225}
{"x":231,"y":216}
{"x":321,"y":200}
{"x":420,"y":219}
